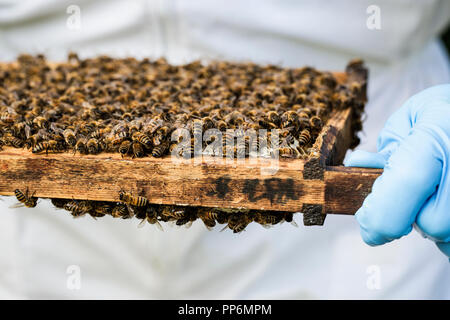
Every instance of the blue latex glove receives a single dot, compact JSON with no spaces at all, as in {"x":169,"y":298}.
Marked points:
{"x":414,"y":189}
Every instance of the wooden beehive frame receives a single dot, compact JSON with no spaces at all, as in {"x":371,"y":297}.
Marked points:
{"x":316,"y":186}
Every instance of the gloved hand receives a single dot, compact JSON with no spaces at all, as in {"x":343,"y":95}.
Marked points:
{"x":414,"y":189}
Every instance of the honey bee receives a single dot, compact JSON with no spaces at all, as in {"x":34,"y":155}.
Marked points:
{"x":47,"y":146}
{"x":138,"y":149}
{"x":153,"y":125}
{"x":159,"y":150}
{"x":120,"y":210}
{"x":124,"y":147}
{"x":143,"y":139}
{"x":328,"y":80}
{"x":288,"y":152}
{"x":187,"y":219}
{"x":32,"y":141}
{"x":18,"y":129}
{"x":289,"y":217}
{"x":305,"y":137}
{"x":127,"y":116}
{"x":237,"y":222}
{"x":25,"y":199}
{"x":221,"y":125}
{"x":99,"y":133}
{"x":69,"y":137}
{"x":173,"y":212}
{"x":9,"y":116}
{"x":41,"y":122}
{"x":273,"y":117}
{"x":59,"y":203}
{"x":268,"y":219}
{"x":151,"y":216}
{"x":208,"y":216}
{"x":287,"y":136}
{"x":341,"y":99}
{"x":80,"y":146}
{"x":73,"y":58}
{"x":316,"y":123}
{"x":92,"y":146}
{"x":78,"y":208}
{"x":121,"y":132}
{"x":207,"y":123}
{"x":290,"y":119}
{"x":100,"y":209}
{"x":355,"y":87}
{"x":10,"y":140}
{"x":160,"y":135}
{"x":128,"y":198}
{"x":264,"y":123}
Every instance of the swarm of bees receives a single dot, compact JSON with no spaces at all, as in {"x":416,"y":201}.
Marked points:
{"x":133,"y":106}
{"x":137,"y":206}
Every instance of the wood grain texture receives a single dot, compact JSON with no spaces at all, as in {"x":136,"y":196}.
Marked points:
{"x":208,"y":182}
{"x":346,"y":188}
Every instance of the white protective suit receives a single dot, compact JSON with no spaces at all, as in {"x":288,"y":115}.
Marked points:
{"x":40,"y":247}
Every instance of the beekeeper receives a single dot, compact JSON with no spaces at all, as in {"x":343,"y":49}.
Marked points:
{"x":46,"y":253}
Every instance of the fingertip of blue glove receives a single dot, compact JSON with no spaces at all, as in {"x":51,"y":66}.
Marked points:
{"x":370,"y":237}
{"x":365,"y":159}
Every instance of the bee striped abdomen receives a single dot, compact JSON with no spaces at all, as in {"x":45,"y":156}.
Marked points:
{"x":143,"y":139}
{"x":128,"y":198}
{"x":29,"y":202}
{"x":69,"y":137}
{"x":305,"y":137}
{"x":160,"y":150}
{"x":138,"y":149}
{"x":40,"y":147}
{"x":20,"y":195}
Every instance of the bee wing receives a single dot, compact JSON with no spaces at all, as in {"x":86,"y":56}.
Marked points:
{"x":159,"y":226}
{"x":131,"y":211}
{"x":78,"y":216}
{"x":17,"y":205}
{"x":171,"y":223}
{"x":188,"y":225}
{"x":294,"y":223}
{"x":54,"y":128}
{"x":208,"y":227}
{"x":27,"y":131}
{"x":42,"y":133}
{"x":116,"y":127}
{"x":142,"y":223}
{"x":11,"y":110}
